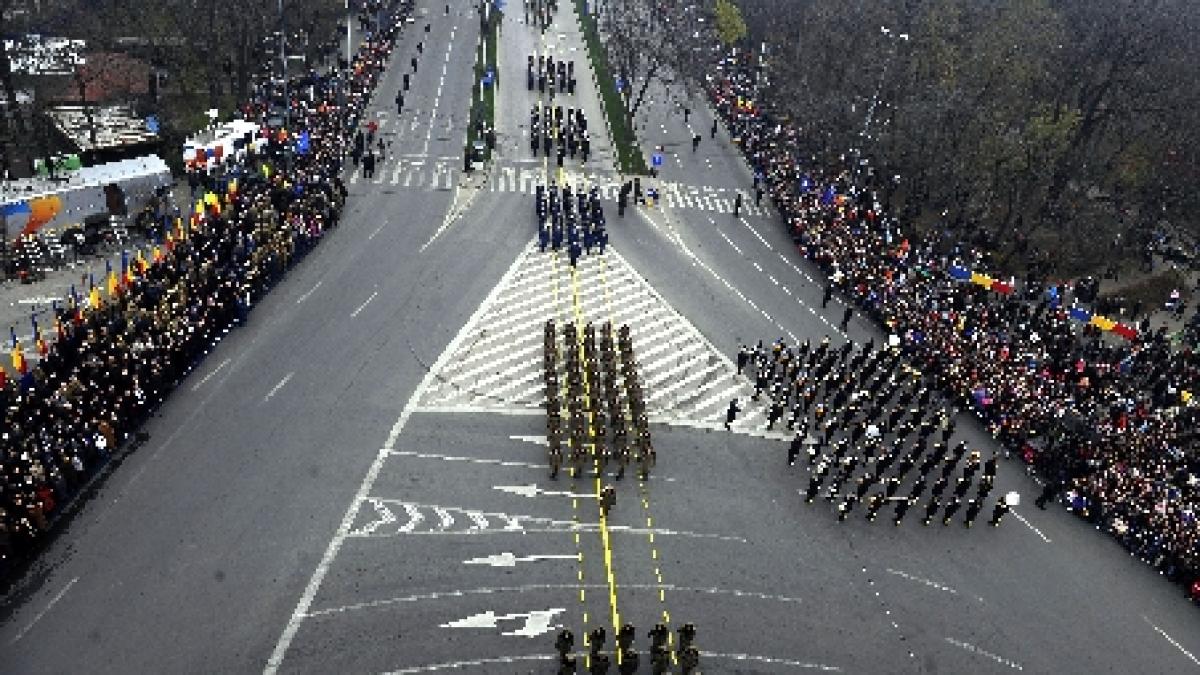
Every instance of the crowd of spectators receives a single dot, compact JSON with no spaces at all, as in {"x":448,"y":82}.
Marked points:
{"x":1109,"y":423}
{"x":125,"y":343}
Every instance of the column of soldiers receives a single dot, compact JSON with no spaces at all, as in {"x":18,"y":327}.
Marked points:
{"x":574,"y":218}
{"x":543,"y":12}
{"x":550,"y":76}
{"x":598,"y":663}
{"x":876,"y":423}
{"x":605,"y":410}
{"x":558,"y":130}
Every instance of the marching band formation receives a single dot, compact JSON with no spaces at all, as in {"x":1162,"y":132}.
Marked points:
{"x":876,"y":423}
{"x":558,"y":130}
{"x":576,"y":216}
{"x":604,"y":406}
{"x":549,"y":75}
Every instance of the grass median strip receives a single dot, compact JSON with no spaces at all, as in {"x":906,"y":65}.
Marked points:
{"x":629,"y":155}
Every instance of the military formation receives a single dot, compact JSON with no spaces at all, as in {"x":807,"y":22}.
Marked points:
{"x":549,"y":76}
{"x":599,"y":418}
{"x":879,"y":432}
{"x":598,"y":662}
{"x":559,"y":132}
{"x":570,"y":218}
{"x":542,"y":12}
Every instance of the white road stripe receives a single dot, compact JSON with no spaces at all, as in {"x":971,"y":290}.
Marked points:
{"x":277,"y":387}
{"x":38,"y":617}
{"x":304,"y":297}
{"x":364,"y":305}
{"x":1030,"y":526}
{"x":1173,"y":641}
{"x":209,"y":376}
{"x":339,"y":537}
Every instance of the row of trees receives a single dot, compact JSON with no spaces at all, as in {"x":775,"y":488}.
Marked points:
{"x":202,"y":53}
{"x":1059,"y":125}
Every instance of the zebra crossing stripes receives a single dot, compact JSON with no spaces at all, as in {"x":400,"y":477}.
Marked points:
{"x":442,"y":173}
{"x":686,"y":379}
{"x":430,"y":176}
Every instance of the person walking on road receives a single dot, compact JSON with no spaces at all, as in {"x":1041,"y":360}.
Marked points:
{"x":827,"y":295}
{"x":737,"y":205}
{"x":714,"y":129}
{"x":846,"y":316}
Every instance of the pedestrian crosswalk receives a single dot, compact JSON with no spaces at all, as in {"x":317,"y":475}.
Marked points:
{"x":499,"y":366}
{"x":443,"y":173}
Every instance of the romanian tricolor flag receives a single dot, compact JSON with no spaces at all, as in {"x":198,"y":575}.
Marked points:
{"x":39,"y":342}
{"x":1103,"y":323}
{"x":1126,"y":332}
{"x":126,"y":270}
{"x":93,"y":299}
{"x":18,"y":358}
{"x":112,"y":284}
{"x":981,"y":279}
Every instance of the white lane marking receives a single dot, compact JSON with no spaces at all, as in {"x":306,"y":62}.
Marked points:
{"x":469,"y":460}
{"x":927,"y":582}
{"x":53,"y":601}
{"x":364,"y":305}
{"x":1172,"y":641}
{"x":772,"y":661}
{"x":510,"y":559}
{"x":454,"y":409}
{"x":279,"y":386}
{"x":381,"y":225}
{"x":496,"y":590}
{"x":696,"y":261}
{"x":196,"y":387}
{"x":304,"y":297}
{"x":983,"y":652}
{"x":530,"y":491}
{"x":459,"y":665}
{"x":1030,"y":526}
{"x":339,"y":537}
{"x":438,"y":97}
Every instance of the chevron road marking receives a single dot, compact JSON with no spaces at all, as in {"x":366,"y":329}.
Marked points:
{"x":687,"y":380}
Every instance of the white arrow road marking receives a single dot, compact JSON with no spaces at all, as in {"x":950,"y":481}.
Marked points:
{"x":532,"y":491}
{"x":509,"y":559}
{"x":537,"y":622}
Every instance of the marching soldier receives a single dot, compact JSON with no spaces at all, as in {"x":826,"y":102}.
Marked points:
{"x":973,"y":508}
{"x":731,"y":413}
{"x":687,"y":635}
{"x":794,"y":449}
{"x":608,"y":499}
{"x":998,"y":512}
{"x":689,"y":660}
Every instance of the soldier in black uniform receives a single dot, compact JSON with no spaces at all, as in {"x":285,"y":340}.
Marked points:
{"x":998,"y":512}
{"x":794,"y":449}
{"x":731,"y":413}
